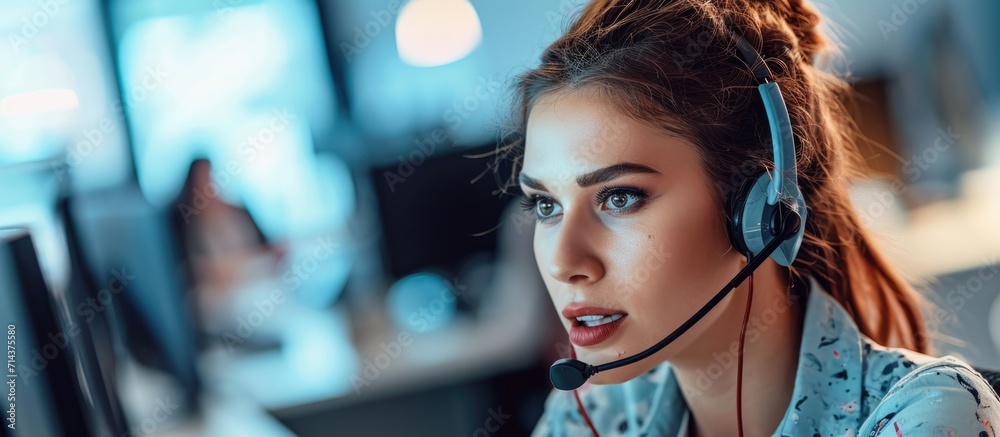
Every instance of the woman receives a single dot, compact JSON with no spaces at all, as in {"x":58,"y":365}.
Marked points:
{"x":638,"y":128}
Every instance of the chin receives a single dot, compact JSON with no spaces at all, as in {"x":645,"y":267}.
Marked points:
{"x":621,"y":374}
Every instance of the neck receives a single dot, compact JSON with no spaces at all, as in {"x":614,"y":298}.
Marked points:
{"x":707,"y":373}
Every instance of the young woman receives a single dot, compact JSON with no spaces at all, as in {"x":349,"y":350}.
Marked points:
{"x":636,"y":131}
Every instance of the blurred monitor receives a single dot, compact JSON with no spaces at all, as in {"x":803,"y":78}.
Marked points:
{"x":51,"y":389}
{"x":29,"y":192}
{"x":58,"y":94}
{"x":434,"y":217}
{"x":34,"y":198}
{"x":245,"y":84}
{"x":96,"y":357}
{"x":138,"y":268}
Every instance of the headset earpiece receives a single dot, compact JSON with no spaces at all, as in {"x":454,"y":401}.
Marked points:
{"x":735,"y":221}
{"x":753,"y":221}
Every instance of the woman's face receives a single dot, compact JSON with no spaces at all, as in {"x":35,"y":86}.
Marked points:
{"x":629,"y":232}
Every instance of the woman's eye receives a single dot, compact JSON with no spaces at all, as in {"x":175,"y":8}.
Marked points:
{"x":621,"y":199}
{"x":545,"y":208}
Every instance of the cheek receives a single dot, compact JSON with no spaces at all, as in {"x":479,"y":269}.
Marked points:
{"x":697,"y":246}
{"x":674,"y":269}
{"x":542,"y":254}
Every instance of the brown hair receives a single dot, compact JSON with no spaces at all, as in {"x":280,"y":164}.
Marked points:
{"x":673,"y":64}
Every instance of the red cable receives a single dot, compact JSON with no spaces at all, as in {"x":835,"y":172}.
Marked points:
{"x":739,"y":373}
{"x":739,"y":361}
{"x":583,"y":411}
{"x":579,"y":405}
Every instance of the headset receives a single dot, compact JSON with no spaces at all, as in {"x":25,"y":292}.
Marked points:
{"x":767,"y":218}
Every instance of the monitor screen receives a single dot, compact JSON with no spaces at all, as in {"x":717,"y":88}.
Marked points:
{"x":41,"y":237}
{"x":42,"y":391}
{"x":244,"y":84}
{"x":433,"y":215}
{"x":58,"y":94}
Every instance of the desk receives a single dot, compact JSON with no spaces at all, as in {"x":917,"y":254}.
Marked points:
{"x":283,"y":382}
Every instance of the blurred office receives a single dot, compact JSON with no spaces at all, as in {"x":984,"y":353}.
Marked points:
{"x":274,"y":217}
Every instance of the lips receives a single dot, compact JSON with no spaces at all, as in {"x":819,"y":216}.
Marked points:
{"x":592,"y":325}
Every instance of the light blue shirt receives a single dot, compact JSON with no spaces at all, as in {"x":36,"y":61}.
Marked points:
{"x":845,"y":385}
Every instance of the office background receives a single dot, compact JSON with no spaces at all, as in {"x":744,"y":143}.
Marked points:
{"x":273,"y":217}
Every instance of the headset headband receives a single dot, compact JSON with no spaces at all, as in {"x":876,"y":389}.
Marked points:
{"x":777,"y":116}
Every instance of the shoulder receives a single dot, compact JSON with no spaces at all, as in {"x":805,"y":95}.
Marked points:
{"x":562,"y":415}
{"x":616,"y":409}
{"x":555,"y":416}
{"x":911,"y":392}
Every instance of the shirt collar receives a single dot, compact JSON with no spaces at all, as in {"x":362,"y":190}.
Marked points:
{"x":828,"y":381}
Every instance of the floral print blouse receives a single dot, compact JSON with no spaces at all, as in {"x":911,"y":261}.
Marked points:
{"x":846,"y":385}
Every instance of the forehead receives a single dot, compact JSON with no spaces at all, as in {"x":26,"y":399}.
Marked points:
{"x":570,"y":132}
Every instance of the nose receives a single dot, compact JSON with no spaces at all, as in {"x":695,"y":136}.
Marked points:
{"x":576,"y":259}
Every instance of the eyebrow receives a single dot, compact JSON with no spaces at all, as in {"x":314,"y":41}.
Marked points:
{"x":595,"y":177}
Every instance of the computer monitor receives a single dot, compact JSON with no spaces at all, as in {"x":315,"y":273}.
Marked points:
{"x":433,"y":216}
{"x":244,"y":83}
{"x":136,"y":263}
{"x":96,"y":357}
{"x":45,"y":395}
{"x":35,"y":204}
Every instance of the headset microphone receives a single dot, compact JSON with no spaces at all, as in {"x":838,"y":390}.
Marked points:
{"x":570,"y":374}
